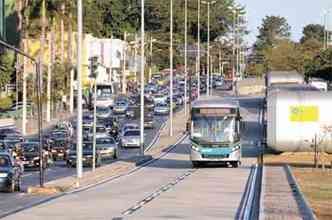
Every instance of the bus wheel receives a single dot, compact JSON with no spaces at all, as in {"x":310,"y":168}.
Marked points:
{"x":196,"y":164}
{"x":235,"y":164}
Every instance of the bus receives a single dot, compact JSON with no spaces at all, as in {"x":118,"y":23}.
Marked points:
{"x":214,"y":130}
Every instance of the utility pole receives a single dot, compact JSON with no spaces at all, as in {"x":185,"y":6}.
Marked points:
{"x":185,"y":56}
{"x":42,"y":42}
{"x":49,"y":74}
{"x":124,"y":80}
{"x":93,"y":67}
{"x":199,"y":49}
{"x":150,"y":66}
{"x":171,"y":72}
{"x":208,"y":54}
{"x":79,"y":91}
{"x":142,"y":77}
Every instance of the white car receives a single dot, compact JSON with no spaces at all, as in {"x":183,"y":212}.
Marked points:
{"x":130,"y":138}
{"x":159,"y":98}
{"x":129,"y":126}
{"x":161,"y":109}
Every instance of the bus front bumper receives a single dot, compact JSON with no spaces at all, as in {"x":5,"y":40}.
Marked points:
{"x":234,"y":155}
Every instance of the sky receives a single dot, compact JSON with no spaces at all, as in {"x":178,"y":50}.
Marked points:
{"x":298,"y":13}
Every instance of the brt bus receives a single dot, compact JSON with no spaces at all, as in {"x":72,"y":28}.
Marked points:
{"x":214,"y":130}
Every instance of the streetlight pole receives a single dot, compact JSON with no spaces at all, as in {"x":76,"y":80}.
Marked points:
{"x":208,"y":49}
{"x":199,"y":50}
{"x":150,"y":66}
{"x":79,"y":92}
{"x":124,"y":80}
{"x":185,"y":56}
{"x":171,"y":71}
{"x":208,"y":54}
{"x":142,"y":78}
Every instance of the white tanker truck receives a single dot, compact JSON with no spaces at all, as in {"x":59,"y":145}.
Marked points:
{"x":298,"y":117}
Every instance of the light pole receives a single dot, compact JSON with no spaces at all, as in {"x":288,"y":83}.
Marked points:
{"x":124,"y":80}
{"x":208,"y":48}
{"x":142,"y":78}
{"x":79,"y":92}
{"x":198,"y":49}
{"x":150,"y":66}
{"x":171,"y":71}
{"x":185,"y":55}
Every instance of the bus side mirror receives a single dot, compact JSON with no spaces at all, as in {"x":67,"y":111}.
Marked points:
{"x":188,"y":126}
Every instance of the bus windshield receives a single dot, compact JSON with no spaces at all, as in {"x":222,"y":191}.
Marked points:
{"x":211,"y":129}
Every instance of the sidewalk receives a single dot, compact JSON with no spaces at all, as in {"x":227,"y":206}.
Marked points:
{"x":121,"y":167}
{"x":277,"y":199}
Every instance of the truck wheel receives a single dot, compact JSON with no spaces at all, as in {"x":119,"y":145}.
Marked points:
{"x":235,"y":164}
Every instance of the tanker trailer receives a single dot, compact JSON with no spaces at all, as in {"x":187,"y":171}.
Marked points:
{"x":296,"y":120}
{"x":283,"y":77}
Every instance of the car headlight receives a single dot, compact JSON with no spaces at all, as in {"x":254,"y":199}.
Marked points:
{"x":3,"y":175}
{"x":35,"y":158}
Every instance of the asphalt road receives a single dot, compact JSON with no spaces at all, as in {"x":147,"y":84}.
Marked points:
{"x":10,"y":201}
{"x":168,"y":188}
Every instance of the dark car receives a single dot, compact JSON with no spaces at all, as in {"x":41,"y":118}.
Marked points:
{"x":87,"y":155}
{"x":10,"y":174}
{"x":59,"y":147}
{"x":30,"y":155}
{"x":148,"y":118}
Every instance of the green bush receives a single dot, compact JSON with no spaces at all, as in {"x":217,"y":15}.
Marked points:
{"x":5,"y":102}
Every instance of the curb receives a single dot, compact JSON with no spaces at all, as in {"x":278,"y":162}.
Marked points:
{"x":261,"y":202}
{"x":304,"y":207}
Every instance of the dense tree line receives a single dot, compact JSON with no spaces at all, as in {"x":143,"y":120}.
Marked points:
{"x":274,"y":50}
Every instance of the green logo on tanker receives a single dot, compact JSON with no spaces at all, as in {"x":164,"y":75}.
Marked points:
{"x":303,"y":113}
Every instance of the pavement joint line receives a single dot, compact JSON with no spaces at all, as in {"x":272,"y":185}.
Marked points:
{"x":130,"y":172}
{"x":154,"y":195}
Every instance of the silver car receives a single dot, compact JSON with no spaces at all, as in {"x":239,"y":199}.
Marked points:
{"x":131,"y":138}
{"x":107,"y":147}
{"x":161,"y":109}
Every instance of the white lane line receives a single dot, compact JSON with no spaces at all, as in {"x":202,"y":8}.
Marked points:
{"x":157,"y":193}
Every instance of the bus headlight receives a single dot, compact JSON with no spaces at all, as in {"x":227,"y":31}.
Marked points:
{"x":236,"y":148}
{"x":195,"y":148}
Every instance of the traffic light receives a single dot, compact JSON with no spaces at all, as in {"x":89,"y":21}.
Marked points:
{"x":93,"y":66}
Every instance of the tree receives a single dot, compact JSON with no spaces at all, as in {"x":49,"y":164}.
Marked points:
{"x":320,"y":66}
{"x":6,"y":68}
{"x":313,"y":32}
{"x":285,"y":55}
{"x":273,"y":29}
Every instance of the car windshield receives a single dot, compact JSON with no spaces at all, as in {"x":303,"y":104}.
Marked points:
{"x":30,"y":147}
{"x":214,"y":129}
{"x":105,"y":141}
{"x":4,"y":161}
{"x":132,"y":133}
{"x":101,"y":130}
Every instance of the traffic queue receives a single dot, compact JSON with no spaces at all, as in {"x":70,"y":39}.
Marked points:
{"x":116,"y":128}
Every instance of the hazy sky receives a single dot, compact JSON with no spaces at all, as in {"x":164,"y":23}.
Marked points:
{"x":297,"y":12}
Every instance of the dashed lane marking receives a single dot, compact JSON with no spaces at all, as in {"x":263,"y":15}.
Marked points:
{"x":157,"y":193}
